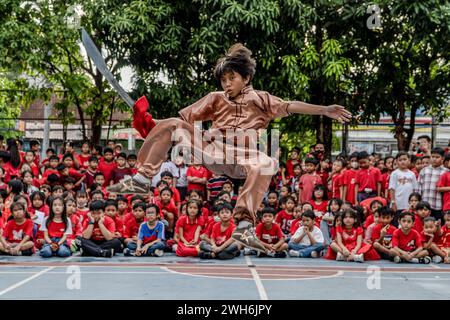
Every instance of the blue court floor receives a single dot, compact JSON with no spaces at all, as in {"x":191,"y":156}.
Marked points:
{"x":246,"y":277}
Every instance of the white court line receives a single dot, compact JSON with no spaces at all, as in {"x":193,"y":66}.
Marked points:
{"x":257,"y":279}
{"x":434,"y":266}
{"x":21,"y":283}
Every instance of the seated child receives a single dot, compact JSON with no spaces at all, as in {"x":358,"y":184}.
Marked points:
{"x":189,"y":228}
{"x":349,"y":244}
{"x":56,"y":227}
{"x":131,"y":228}
{"x":407,"y":243}
{"x":308,"y":240}
{"x":222,"y":246}
{"x":444,"y":243}
{"x":98,"y":233}
{"x":431,"y":236}
{"x":18,"y":232}
{"x":382,"y":233}
{"x":151,"y":234}
{"x":271,"y":236}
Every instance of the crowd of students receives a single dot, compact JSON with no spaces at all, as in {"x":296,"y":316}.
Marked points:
{"x":356,"y":208}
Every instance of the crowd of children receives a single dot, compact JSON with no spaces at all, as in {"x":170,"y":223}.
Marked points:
{"x":356,"y":208}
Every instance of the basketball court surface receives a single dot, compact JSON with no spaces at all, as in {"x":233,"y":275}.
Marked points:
{"x":243,"y":278}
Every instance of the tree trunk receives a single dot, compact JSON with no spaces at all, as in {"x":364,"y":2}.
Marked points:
{"x":96,"y":128}
{"x":324,"y":134}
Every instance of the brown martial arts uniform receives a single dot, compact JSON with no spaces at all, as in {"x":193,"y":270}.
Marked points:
{"x":253,"y":109}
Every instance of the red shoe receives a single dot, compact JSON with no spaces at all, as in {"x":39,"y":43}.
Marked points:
{"x":142,"y":120}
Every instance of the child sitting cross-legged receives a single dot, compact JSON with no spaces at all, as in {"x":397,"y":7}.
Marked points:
{"x":271,"y":235}
{"x":308,"y":240}
{"x":382,"y":233}
{"x":349,"y":245}
{"x":151,"y":234}
{"x":407,"y":243}
{"x":431,"y":236}
{"x":222,"y":246}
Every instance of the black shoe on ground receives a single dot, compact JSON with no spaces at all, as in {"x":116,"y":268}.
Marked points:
{"x":281,"y":254}
{"x":108,"y":253}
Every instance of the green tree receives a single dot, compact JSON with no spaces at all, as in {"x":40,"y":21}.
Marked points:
{"x":403,"y":65}
{"x":40,"y":39}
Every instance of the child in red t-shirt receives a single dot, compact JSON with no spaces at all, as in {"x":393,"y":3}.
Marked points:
{"x":106,"y":165}
{"x":18,"y":232}
{"x":111,"y":210}
{"x":222,"y":246}
{"x":368,"y":179}
{"x":131,"y":227}
{"x":285,"y":217}
{"x":308,"y":181}
{"x":349,"y":244}
{"x":121,"y":170}
{"x":443,"y":185}
{"x":431,"y":236}
{"x":292,"y":161}
{"x":382,"y":233}
{"x":56,"y":227}
{"x":336,"y":182}
{"x":98,"y":233}
{"x":423,"y":210}
{"x":167,"y":208}
{"x":444,"y":243}
{"x":271,"y":235}
{"x":407,"y":243}
{"x":319,"y":203}
{"x":189,"y":228}
{"x":349,"y":180}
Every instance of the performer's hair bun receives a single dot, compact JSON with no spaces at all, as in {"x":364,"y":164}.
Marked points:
{"x":238,"y":59}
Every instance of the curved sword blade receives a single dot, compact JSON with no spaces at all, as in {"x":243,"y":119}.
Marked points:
{"x":99,"y":62}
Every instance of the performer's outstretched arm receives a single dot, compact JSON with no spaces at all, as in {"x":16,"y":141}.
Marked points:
{"x":333,"y":111}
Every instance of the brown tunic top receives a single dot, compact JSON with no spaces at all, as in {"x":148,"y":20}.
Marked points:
{"x":253,"y":109}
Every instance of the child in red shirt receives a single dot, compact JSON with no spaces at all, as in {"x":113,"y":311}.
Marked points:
{"x":222,"y":246}
{"x":308,"y":181}
{"x":271,"y":236}
{"x":285,"y":217}
{"x":131,"y":226}
{"x":443,"y":185}
{"x":56,"y":227}
{"x":423,"y":210}
{"x":382,"y":233}
{"x":349,"y":244}
{"x":407,"y":243}
{"x":444,"y":243}
{"x":319,"y":203}
{"x":189,"y":228}
{"x":107,"y":165}
{"x":98,"y":233}
{"x":120,"y":171}
{"x":368,"y":179}
{"x":85,"y":155}
{"x":349,"y":180}
{"x":292,"y":161}
{"x":111,"y":210}
{"x":29,"y":160}
{"x":337,"y":177}
{"x":18,"y":232}
{"x":167,"y":208}
{"x":431,"y":236}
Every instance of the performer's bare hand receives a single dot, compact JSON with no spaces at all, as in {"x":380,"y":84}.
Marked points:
{"x":338,"y":112}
